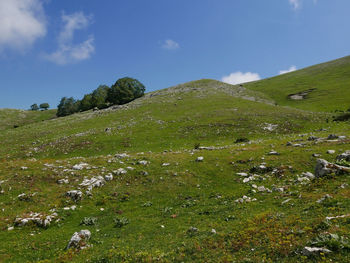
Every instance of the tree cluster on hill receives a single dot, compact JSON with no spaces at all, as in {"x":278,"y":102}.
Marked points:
{"x":123,"y":91}
{"x":42,"y":106}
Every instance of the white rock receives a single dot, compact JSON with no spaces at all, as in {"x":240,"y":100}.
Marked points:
{"x":312,"y":251}
{"x":109,"y":177}
{"x":79,"y":238}
{"x":331,"y":151}
{"x":120,"y":171}
{"x":80,"y":166}
{"x":200,"y":159}
{"x":76,"y":195}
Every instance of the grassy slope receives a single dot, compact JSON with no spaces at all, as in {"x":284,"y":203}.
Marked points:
{"x":331,"y":81}
{"x":11,"y":117}
{"x":185,"y":193}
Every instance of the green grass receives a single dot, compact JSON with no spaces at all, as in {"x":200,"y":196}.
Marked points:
{"x":330,"y":80}
{"x":9,"y":118}
{"x":161,"y":205}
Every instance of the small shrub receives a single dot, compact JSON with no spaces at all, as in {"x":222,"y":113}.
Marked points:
{"x":89,"y":221}
{"x":121,"y":221}
{"x":241,"y":140}
{"x":197,"y":145}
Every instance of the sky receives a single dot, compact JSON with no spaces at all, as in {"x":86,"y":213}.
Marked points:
{"x":55,"y":48}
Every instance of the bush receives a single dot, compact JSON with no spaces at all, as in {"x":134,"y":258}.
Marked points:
{"x":120,"y":222}
{"x":67,"y":107}
{"x":125,"y":90}
{"x":44,"y":106}
{"x":34,"y":107}
{"x":342,"y":117}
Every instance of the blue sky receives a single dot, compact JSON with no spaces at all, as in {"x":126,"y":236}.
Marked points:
{"x":55,"y":48}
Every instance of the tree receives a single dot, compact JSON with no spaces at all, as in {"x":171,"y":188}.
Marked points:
{"x":125,"y":90}
{"x":44,"y":106}
{"x":67,"y":107}
{"x":34,"y":107}
{"x":86,"y":103}
{"x":99,"y":97}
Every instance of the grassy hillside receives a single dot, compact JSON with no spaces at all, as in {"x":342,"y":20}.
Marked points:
{"x":170,"y":206}
{"x":330,"y":83}
{"x":9,"y":118}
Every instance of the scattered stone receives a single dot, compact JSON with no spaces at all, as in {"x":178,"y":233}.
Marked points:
{"x":273,"y":153}
{"x":10,"y":228}
{"x":213,"y":231}
{"x":312,"y":138}
{"x":337,"y":217}
{"x":79,"y":239}
{"x":109,"y":177}
{"x":332,"y":137}
{"x":344,"y":156}
{"x":325,"y":197}
{"x":120,"y":171}
{"x":24,"y":168}
{"x":93,"y":182}
{"x":324,"y":168}
{"x":121,"y":155}
{"x":37,"y":218}
{"x":245,"y":199}
{"x":316,"y":155}
{"x":143,"y":162}
{"x":75,"y":195}
{"x":242,"y":174}
{"x":63,"y":181}
{"x":309,"y":175}
{"x":165,"y":164}
{"x":331,"y":151}
{"x":80,"y":166}
{"x":270,"y":127}
{"x":314,"y":251}
{"x":200,"y":159}
{"x":286,"y":201}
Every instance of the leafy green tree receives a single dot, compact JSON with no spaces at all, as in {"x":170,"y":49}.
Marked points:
{"x":99,"y":97}
{"x":44,"y":106}
{"x":125,"y":90}
{"x":34,"y":107}
{"x":86,"y":103}
{"x":67,"y":107}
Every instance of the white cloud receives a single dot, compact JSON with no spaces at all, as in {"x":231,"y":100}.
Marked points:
{"x":291,"y":69}
{"x":22,"y":22}
{"x":68,"y":52}
{"x":239,"y":77}
{"x":170,"y":44}
{"x":295,"y":4}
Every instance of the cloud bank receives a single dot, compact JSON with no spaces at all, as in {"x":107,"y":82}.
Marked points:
{"x":67,"y":51}
{"x":291,"y":69}
{"x":170,"y":44}
{"x":240,"y":77}
{"x":22,"y":22}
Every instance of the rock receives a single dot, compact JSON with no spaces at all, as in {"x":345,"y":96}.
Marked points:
{"x":143,"y":162}
{"x":165,"y":164}
{"x":316,"y":155}
{"x":286,"y":201}
{"x":75,"y":195}
{"x":309,"y":175}
{"x":332,"y":137}
{"x":213,"y":231}
{"x":270,"y":127}
{"x":109,"y":177}
{"x":245,"y":199}
{"x":121,"y":155}
{"x":331,"y":151}
{"x":10,"y":228}
{"x":312,"y":138}
{"x":37,"y":218}
{"x":325,"y":197}
{"x":93,"y":182}
{"x":80,"y":166}
{"x":324,"y":168}
{"x":314,"y":251}
{"x":273,"y":153}
{"x":79,"y":239}
{"x":120,"y":171}
{"x":24,"y":168}
{"x":200,"y":159}
{"x":63,"y":181}
{"x":344,"y":156}
{"x":242,"y":174}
